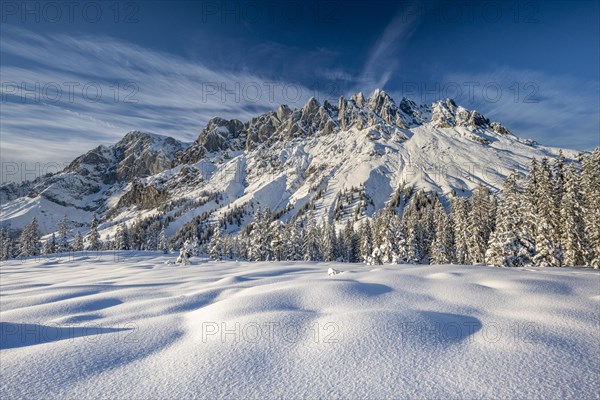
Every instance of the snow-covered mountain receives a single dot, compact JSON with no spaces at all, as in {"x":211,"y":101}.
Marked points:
{"x":341,"y":161}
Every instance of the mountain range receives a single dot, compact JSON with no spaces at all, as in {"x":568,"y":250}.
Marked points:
{"x":337,"y":161}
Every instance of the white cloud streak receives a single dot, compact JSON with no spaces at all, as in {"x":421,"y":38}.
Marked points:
{"x":561,"y":111}
{"x":167,"y":94}
{"x":385,"y":56}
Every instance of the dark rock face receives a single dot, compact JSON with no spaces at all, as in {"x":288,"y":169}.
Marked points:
{"x":12,"y":190}
{"x":446,"y":114}
{"x":140,"y":154}
{"x":137,"y":155}
{"x":496,"y":127}
{"x":144,"y":197}
{"x":219,"y":133}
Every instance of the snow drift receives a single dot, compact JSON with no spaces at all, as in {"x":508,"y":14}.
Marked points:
{"x":129,"y":325}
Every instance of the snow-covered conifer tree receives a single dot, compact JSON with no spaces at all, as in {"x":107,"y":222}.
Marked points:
{"x":350,"y":243}
{"x":93,"y":237}
{"x":163,"y":241}
{"x":259,"y":246}
{"x":63,"y":235}
{"x":376,"y":257}
{"x":122,"y":238}
{"x":277,"y":243}
{"x":311,"y":242}
{"x":6,"y":245}
{"x":29,"y":240}
{"x":441,"y":247}
{"x":185,"y":253}
{"x":215,"y":247}
{"x":50,"y":246}
{"x":412,"y":247}
{"x":510,"y":244}
{"x":544,"y":219}
{"x":366,"y":240}
{"x":480,"y":225}
{"x":78,"y":242}
{"x":591,"y":190}
{"x":293,"y":241}
{"x":572,"y":220}
{"x":390,"y":237}
{"x":327,"y":243}
{"x":558,"y":179}
{"x":460,"y":219}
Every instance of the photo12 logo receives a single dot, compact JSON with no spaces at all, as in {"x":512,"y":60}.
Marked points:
{"x":54,"y":12}
{"x":254,"y":332}
{"x":69,"y":92}
{"x":13,"y":171}
{"x":14,"y":335}
{"x":472,"y":91}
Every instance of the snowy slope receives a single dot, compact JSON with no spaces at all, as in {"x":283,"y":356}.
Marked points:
{"x":284,"y":160}
{"x":134,"y":327}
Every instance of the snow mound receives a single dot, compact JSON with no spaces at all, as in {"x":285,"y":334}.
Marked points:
{"x":136,"y":327}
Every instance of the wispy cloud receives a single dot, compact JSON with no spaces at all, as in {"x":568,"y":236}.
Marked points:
{"x":385,"y":56}
{"x":62,"y":95}
{"x":554,"y":110}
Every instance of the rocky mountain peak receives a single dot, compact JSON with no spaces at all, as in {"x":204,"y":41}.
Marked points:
{"x":137,"y":154}
{"x":311,"y":106}
{"x":447,"y":114}
{"x":379,"y":111}
{"x":358,"y":99}
{"x":283,"y":112}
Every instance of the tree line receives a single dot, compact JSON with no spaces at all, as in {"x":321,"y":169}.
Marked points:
{"x":546,"y":217}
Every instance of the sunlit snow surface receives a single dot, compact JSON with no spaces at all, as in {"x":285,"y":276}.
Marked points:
{"x":132,"y":326}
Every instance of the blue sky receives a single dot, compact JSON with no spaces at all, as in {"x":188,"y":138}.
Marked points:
{"x":77,"y":76}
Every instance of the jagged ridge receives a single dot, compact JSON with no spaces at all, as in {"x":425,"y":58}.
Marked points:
{"x":287,"y":159}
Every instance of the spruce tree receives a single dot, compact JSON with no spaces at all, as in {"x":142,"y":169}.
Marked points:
{"x":460,"y":219}
{"x":572,"y":220}
{"x":293,"y":238}
{"x":392,"y":245}
{"x":310,"y":245}
{"x":93,"y":237}
{"x":366,"y":240}
{"x":510,"y":244}
{"x":122,"y":238}
{"x":63,"y":236}
{"x":412,"y":248}
{"x":50,"y":246}
{"x":29,"y":240}
{"x":558,"y":179}
{"x":277,"y":241}
{"x":440,"y":252}
{"x":591,"y":192}
{"x":543,"y":215}
{"x":163,"y":242}
{"x":327,"y":241}
{"x":412,"y":226}
{"x":78,"y":242}
{"x":259,"y":246}
{"x":215,"y":247}
{"x":479,"y":225}
{"x":6,"y":245}
{"x":350,"y":243}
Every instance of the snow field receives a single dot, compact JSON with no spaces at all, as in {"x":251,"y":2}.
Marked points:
{"x":136,"y":327}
